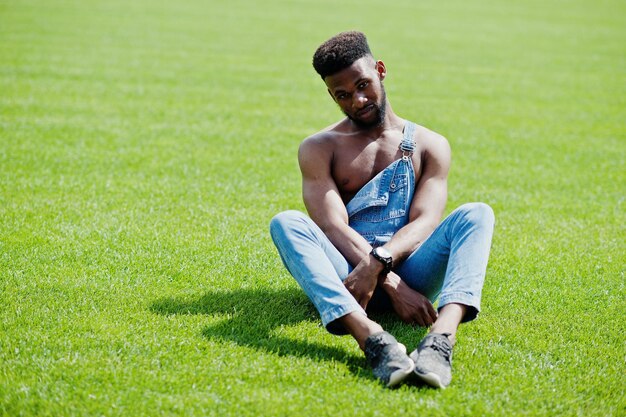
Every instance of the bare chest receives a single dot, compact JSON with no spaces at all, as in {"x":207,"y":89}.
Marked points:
{"x":352,"y":168}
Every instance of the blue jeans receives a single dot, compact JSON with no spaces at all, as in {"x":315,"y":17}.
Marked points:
{"x":450,"y":265}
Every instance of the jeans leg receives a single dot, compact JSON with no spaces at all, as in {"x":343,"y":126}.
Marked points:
{"x":452,"y":262}
{"x":317,"y":266}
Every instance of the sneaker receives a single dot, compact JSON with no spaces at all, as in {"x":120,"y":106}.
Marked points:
{"x":433,"y":360}
{"x":388,"y":358}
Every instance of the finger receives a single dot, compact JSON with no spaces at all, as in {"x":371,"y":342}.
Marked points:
{"x":432,"y":312}
{"x":426,"y":316}
{"x":419,"y":320}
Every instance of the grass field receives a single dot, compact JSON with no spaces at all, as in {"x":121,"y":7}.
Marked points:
{"x":144,"y":146}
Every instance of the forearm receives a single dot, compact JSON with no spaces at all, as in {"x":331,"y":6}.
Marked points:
{"x":409,"y":238}
{"x":328,"y":211}
{"x":363,"y":279}
{"x":403,"y":243}
{"x":391,"y":284}
{"x":351,"y":244}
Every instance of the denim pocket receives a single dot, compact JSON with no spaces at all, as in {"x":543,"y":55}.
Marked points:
{"x":390,"y":204}
{"x":398,"y":183}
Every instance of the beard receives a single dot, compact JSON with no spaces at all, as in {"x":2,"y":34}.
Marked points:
{"x":380,"y":111}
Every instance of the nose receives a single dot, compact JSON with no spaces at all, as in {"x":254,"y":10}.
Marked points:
{"x":360,"y":100}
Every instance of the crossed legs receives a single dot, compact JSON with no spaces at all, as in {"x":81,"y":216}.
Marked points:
{"x":450,"y":266}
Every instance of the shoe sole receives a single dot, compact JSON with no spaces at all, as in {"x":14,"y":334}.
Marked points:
{"x":431,"y":379}
{"x":400,"y":375}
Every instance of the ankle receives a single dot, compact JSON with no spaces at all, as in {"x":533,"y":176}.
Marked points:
{"x":360,"y":327}
{"x":450,"y":335}
{"x":450,"y":316}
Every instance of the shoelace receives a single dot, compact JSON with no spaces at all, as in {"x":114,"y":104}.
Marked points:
{"x":374,"y":348}
{"x":440,"y":345}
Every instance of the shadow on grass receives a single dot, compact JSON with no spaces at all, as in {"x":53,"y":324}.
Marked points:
{"x":253,"y":318}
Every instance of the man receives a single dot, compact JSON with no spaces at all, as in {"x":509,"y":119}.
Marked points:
{"x":375,"y":188}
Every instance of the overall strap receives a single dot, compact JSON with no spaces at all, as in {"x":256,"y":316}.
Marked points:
{"x":407,"y":146}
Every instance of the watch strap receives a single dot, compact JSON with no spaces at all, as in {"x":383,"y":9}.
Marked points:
{"x":385,"y":261}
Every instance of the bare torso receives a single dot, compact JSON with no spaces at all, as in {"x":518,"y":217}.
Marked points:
{"x":356,"y":157}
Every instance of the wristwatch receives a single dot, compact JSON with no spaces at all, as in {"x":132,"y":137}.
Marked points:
{"x":384,"y":257}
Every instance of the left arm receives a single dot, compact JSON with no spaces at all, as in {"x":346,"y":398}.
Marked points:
{"x":429,"y":200}
{"x":427,"y":207}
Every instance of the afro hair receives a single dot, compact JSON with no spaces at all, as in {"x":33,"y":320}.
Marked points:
{"x":340,"y":52}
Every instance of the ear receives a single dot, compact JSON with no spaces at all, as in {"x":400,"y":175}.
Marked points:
{"x":381,"y":69}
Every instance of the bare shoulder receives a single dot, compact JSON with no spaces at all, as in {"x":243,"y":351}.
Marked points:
{"x":316,"y":152}
{"x":435,"y":149}
{"x":315,"y":145}
{"x":428,"y":139}
{"x":322,"y":143}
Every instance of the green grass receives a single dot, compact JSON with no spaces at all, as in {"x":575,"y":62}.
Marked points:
{"x":144,"y":146}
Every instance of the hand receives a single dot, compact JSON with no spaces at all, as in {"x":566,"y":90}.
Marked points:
{"x":362,"y":281}
{"x":411,"y":306}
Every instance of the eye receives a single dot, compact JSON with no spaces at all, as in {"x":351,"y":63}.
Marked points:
{"x":363,"y":85}
{"x":341,"y":96}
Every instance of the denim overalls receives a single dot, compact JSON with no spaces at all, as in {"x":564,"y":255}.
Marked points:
{"x":450,"y":264}
{"x":381,"y":207}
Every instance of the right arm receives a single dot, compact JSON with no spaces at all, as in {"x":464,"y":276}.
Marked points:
{"x":323,"y":201}
{"x":326,"y":208}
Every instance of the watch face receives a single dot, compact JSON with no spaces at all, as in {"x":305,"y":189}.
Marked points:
{"x":382,"y":252}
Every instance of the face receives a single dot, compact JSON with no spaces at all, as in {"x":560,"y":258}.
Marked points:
{"x":359,"y":92}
